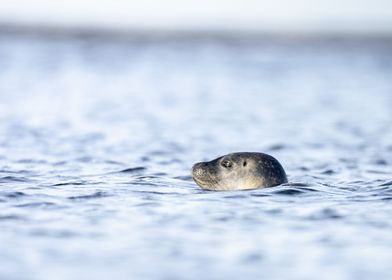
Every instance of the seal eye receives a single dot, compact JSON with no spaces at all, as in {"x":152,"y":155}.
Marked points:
{"x":244,"y":164}
{"x":226,"y":163}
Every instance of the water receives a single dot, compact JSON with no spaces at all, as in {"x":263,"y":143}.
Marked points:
{"x":98,"y":135}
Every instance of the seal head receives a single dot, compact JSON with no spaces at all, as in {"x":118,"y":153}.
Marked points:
{"x":239,"y":171}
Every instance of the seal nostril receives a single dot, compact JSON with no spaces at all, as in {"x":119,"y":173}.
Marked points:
{"x":244,"y":164}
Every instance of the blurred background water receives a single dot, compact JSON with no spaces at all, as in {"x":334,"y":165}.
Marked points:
{"x":99,"y":131}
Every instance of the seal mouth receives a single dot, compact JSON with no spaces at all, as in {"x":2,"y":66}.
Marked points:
{"x":199,"y":182}
{"x":209,"y":184}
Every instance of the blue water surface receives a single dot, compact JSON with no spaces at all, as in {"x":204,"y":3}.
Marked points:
{"x":98,"y":136}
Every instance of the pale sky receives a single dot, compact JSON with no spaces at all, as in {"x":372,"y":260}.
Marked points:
{"x":246,"y":15}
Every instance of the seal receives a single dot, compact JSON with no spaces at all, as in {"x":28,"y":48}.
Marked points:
{"x":239,"y":171}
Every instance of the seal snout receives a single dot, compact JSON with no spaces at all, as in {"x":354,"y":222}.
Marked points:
{"x":201,"y":174}
{"x":198,"y":170}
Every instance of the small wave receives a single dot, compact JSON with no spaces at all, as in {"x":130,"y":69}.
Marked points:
{"x":325,"y":214}
{"x":275,"y":211}
{"x":373,"y":171}
{"x":289,"y":192}
{"x":308,"y":189}
{"x":12,"y":179}
{"x":112,"y":162}
{"x":85,"y":159}
{"x":133,"y":170}
{"x":301,"y":186}
{"x":328,"y":172}
{"x":11,"y":217}
{"x":75,"y":183}
{"x":381,"y":162}
{"x":183,"y":178}
{"x":43,"y":204}
{"x":303,"y":168}
{"x":22,"y":171}
{"x":259,"y":194}
{"x":153,"y":192}
{"x":277,"y":147}
{"x":296,"y":184}
{"x":144,"y":184}
{"x":286,"y":189}
{"x":169,"y":161}
{"x":60,"y":163}
{"x":35,"y":161}
{"x":99,"y":194}
{"x":145,"y":159}
{"x":146,"y":177}
{"x":159,"y":174}
{"x":147,"y":204}
{"x":236,"y":196}
{"x":14,"y":194}
{"x":54,"y":233}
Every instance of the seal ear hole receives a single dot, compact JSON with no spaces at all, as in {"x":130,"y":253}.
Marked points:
{"x":244,"y":163}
